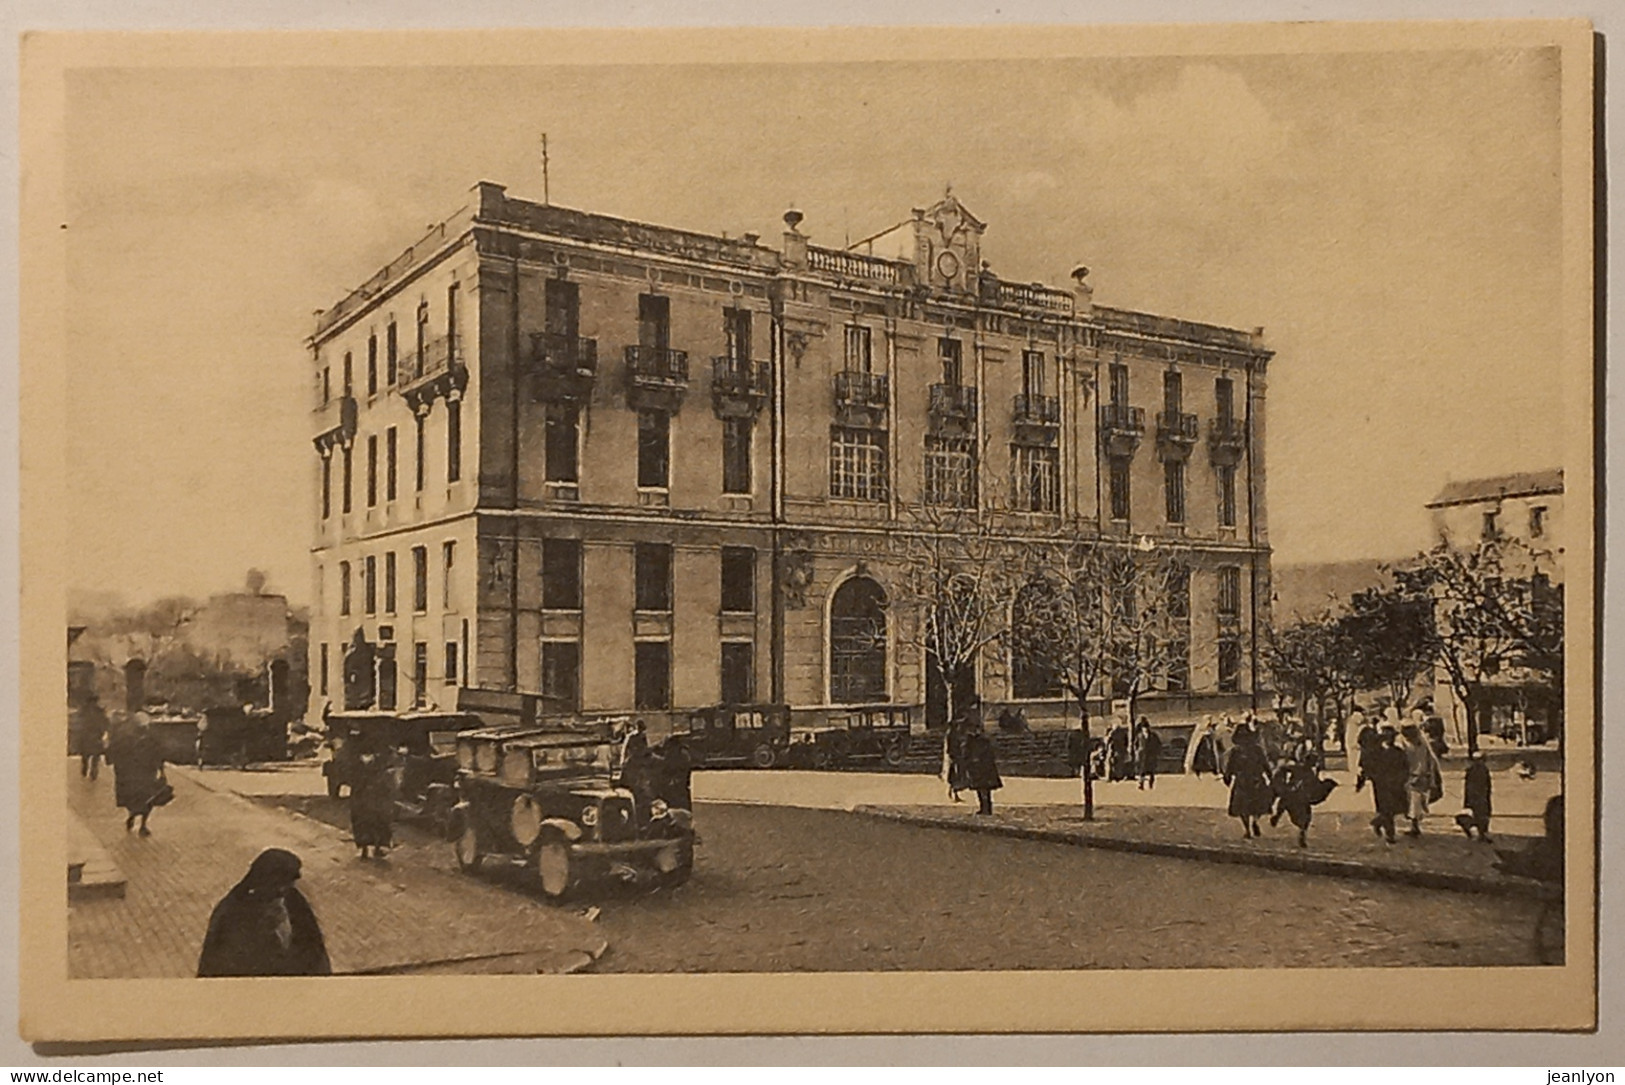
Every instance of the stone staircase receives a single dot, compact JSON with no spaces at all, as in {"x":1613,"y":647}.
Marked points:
{"x":1029,"y":753}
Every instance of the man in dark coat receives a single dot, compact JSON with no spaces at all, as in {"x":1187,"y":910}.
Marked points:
{"x":1299,"y":788}
{"x":264,"y":926}
{"x":679,"y":773}
{"x":1147,"y":750}
{"x":1247,"y":772}
{"x":1387,"y":769}
{"x":1476,"y":798}
{"x":982,"y":769}
{"x":372,"y":803}
{"x":88,"y":731}
{"x":1119,"y":759}
{"x":138,"y":772}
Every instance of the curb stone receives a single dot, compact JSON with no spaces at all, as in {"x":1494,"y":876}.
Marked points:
{"x":1301,"y":864}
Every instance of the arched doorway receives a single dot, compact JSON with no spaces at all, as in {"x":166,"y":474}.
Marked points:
{"x":857,"y":643}
{"x":936,"y":690}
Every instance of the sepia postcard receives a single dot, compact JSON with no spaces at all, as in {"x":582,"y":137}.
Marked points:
{"x":592,"y":532}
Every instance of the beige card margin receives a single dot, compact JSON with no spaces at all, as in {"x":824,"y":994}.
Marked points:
{"x":56,"y":1009}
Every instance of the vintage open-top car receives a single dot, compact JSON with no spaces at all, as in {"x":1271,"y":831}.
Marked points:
{"x":551,"y":798}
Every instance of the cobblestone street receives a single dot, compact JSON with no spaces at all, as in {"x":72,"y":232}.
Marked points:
{"x":784,"y":889}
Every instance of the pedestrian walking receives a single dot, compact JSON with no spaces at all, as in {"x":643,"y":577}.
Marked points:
{"x":1202,"y":756}
{"x":139,"y":784}
{"x":679,"y":773}
{"x":264,"y":926}
{"x":1476,"y":788}
{"x":1431,"y":726}
{"x":954,"y":760}
{"x":982,"y":769}
{"x":1119,"y":752}
{"x":1147,"y":749}
{"x":1247,"y":773}
{"x":1224,"y":740}
{"x":1424,"y":781}
{"x":1386,"y":768}
{"x":1299,"y":788}
{"x":87,"y":735}
{"x":372,"y":804}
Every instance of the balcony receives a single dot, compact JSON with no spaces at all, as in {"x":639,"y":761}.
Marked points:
{"x":952,"y":410}
{"x":338,"y":418}
{"x":563,"y":367}
{"x":656,"y":378}
{"x":739,"y":386}
{"x":862,"y":399}
{"x":1226,"y":441}
{"x":1121,"y":428}
{"x":1036,"y":419}
{"x":1176,"y":434}
{"x":438,"y":370}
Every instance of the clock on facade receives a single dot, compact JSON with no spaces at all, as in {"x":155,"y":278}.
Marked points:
{"x":948,"y":265}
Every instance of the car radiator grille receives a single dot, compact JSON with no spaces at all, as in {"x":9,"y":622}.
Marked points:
{"x":615,"y":821}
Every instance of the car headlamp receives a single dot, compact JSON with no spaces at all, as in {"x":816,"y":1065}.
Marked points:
{"x":589,"y":815}
{"x":659,"y":809}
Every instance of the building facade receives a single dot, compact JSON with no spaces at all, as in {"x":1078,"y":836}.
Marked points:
{"x":623,"y":467}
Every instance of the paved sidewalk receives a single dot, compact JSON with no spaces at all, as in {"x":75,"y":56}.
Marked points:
{"x":377,"y":917}
{"x":1340,"y":844}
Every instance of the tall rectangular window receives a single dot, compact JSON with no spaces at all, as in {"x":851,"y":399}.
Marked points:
{"x":950,"y":354}
{"x":738,"y":672}
{"x":652,"y":586}
{"x":736,"y":331}
{"x":327,"y":486}
{"x":1537,"y":521}
{"x":654,"y":321}
{"x":561,"y":574}
{"x":1118,"y":374}
{"x":420,"y":578}
{"x":423,"y":331}
{"x":322,"y":671}
{"x":950,"y":471}
{"x":387,"y":674}
{"x":389,"y":582}
{"x":451,"y":320}
{"x":736,"y":435}
{"x":389,"y":463}
{"x":1032,"y":372}
{"x":1224,"y":399}
{"x":1173,"y":392}
{"x":369,"y":585}
{"x":654,"y":450}
{"x":349,"y":479}
{"x":1036,"y":478}
{"x":1229,"y":665}
{"x":418,"y":452}
{"x":372,"y":470}
{"x":561,"y":675}
{"x":859,"y":352}
{"x":327,"y":384}
{"x":1118,"y":471}
{"x":372,"y":364}
{"x":652,"y":678}
{"x":1230,"y":592}
{"x":454,"y":440}
{"x":420,"y":673}
{"x":344,"y":588}
{"x":449,"y":668}
{"x":1178,"y":677}
{"x":563,"y":313}
{"x":349,"y":375}
{"x":738,"y":580}
{"x":1227,"y":495}
{"x":563,"y":443}
{"x":448,"y":558}
{"x":857,"y":464}
{"x":392,"y":357}
{"x":1173,"y":491}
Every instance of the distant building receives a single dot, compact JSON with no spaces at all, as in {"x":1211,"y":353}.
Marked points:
{"x":624,"y":467}
{"x":1527,"y":507}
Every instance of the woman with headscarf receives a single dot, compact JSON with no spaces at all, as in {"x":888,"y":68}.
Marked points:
{"x":138,"y":772}
{"x":1248,"y":775}
{"x":264,"y":926}
{"x":1147,"y":751}
{"x":1224,"y":740}
{"x":1424,"y":781}
{"x":372,"y":803}
{"x":1202,"y":754}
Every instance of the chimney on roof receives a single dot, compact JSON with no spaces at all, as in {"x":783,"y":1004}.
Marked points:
{"x":795,"y":242}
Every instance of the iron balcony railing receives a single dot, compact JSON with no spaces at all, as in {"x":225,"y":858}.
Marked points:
{"x":739,"y":377}
{"x":438,"y":356}
{"x":1230,"y":431}
{"x":857,"y":389}
{"x":571,"y":353}
{"x":1036,"y":410}
{"x":1177,"y":426}
{"x":953,"y":400}
{"x":1122,"y":418}
{"x":657,"y":365}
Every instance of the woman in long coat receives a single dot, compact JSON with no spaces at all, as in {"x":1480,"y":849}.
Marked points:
{"x":1119,"y":761}
{"x":1248,"y":774}
{"x":372,"y":804}
{"x":982,"y":769}
{"x":1386,"y":767}
{"x":138,"y":772}
{"x":1202,"y":754}
{"x":264,"y":926}
{"x":1424,"y":780}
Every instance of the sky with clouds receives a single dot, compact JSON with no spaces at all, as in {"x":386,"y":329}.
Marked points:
{"x":1390,"y":219}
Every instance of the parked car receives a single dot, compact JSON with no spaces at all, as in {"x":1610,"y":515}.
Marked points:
{"x":552,"y":799}
{"x":424,"y":745}
{"x":755,"y":735}
{"x":861,"y":733}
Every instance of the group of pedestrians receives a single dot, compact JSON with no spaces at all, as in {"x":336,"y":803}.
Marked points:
{"x":1130,"y":753}
{"x":971,"y":763}
{"x":1400,"y":759}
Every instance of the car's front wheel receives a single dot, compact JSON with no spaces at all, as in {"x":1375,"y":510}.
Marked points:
{"x":555,"y":867}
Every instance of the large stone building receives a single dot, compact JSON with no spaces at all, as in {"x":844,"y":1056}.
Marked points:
{"x":626,"y":467}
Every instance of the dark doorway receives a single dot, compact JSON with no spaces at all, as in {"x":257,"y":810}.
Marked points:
{"x":936,"y":690}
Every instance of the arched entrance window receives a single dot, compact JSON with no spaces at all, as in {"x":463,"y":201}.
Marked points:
{"x":1032,"y":675}
{"x":857,"y":643}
